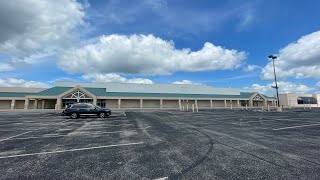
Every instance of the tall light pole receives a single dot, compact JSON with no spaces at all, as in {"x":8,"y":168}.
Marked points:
{"x":275,"y":78}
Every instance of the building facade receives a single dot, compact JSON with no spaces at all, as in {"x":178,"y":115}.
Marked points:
{"x":299,"y":100}
{"x":131,"y":96}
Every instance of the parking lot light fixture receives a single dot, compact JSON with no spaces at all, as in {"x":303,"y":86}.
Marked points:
{"x":272,"y":57}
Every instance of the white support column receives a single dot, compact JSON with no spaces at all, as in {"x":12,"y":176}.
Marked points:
{"x":43,"y":103}
{"x":94,"y":101}
{"x":180,"y":104}
{"x":250,"y":103}
{"x":119,"y":103}
{"x":225,"y":103}
{"x":35,"y":106}
{"x":58,"y":104}
{"x":211,"y":104}
{"x":231,"y":105}
{"x":160,"y":103}
{"x":13,"y":102}
{"x":26,"y":103}
{"x":141,"y":103}
{"x":238,"y":102}
{"x":196,"y":102}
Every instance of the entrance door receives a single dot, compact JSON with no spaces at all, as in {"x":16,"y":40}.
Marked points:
{"x":257,"y":101}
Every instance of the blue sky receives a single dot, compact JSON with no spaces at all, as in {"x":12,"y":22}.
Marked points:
{"x":217,"y":43}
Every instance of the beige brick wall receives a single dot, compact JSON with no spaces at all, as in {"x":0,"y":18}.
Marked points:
{"x":218,"y":103}
{"x":112,"y":103}
{"x":204,"y":103}
{"x":19,"y":104}
{"x":5,"y":104}
{"x":170,"y":104}
{"x":130,"y":103}
{"x":148,"y":103}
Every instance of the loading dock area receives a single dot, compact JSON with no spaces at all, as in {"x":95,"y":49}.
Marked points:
{"x":210,"y":144}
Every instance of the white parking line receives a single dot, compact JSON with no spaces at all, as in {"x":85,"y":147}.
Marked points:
{"x":35,"y":137}
{"x":69,"y":150}
{"x":292,"y":127}
{"x":106,"y":125}
{"x":67,"y":135}
{"x":6,"y":130}
{"x":64,"y":121}
{"x":121,"y":120}
{"x":15,"y":136}
{"x":257,"y":121}
{"x":163,"y":178}
{"x":72,"y":134}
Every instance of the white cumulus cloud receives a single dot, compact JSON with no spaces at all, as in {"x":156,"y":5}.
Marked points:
{"x":31,"y":27}
{"x":113,"y":77}
{"x":184,"y":82}
{"x":13,"y":82}
{"x":5,"y":67}
{"x":146,"y":55}
{"x":300,"y":59}
{"x":251,"y":67}
{"x":284,"y":87}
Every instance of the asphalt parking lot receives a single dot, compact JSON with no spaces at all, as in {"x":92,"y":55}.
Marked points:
{"x":211,"y":144}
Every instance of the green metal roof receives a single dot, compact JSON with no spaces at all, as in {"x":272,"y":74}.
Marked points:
{"x":268,"y":97}
{"x":14,"y":94}
{"x":55,"y":91}
{"x":97,"y":91}
{"x":246,"y":94}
